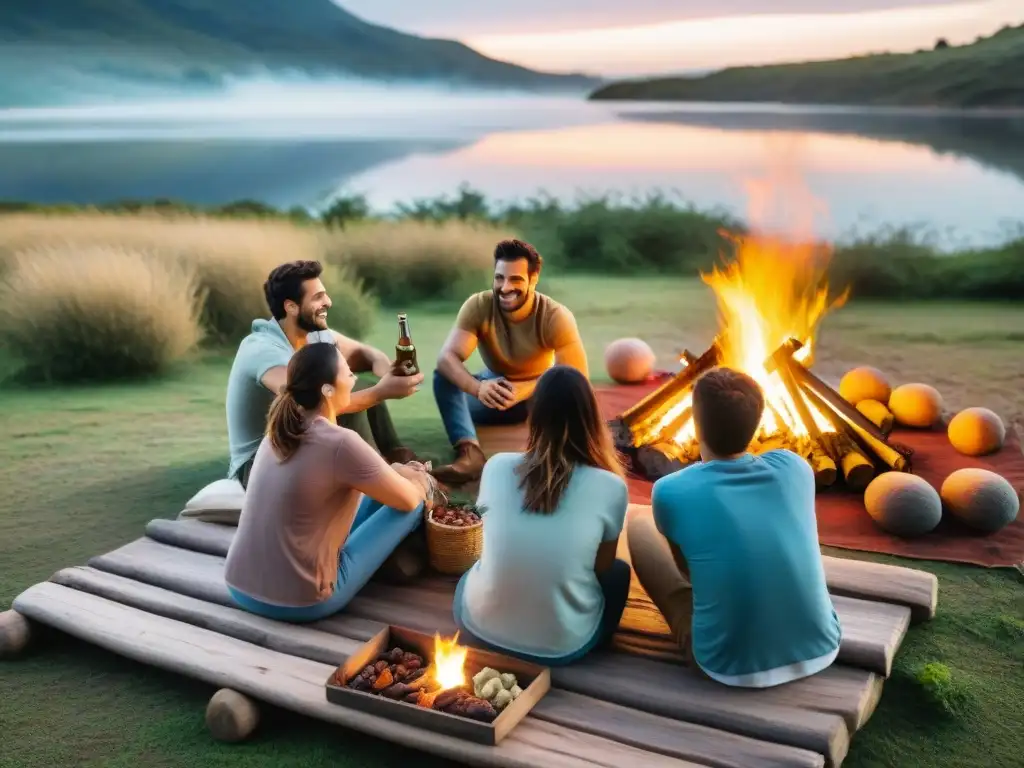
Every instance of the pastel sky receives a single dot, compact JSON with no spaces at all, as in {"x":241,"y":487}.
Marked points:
{"x":633,"y":37}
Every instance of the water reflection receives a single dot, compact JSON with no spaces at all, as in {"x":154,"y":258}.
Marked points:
{"x":962,"y":175}
{"x":864,"y":182}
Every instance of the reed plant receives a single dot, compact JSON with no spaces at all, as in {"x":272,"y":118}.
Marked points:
{"x":98,"y":313}
{"x":410,"y":261}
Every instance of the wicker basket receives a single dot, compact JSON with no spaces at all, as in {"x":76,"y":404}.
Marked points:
{"x":452,"y":549}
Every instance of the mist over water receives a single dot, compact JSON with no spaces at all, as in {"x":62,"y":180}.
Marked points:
{"x":281,"y":109}
{"x":297,"y":141}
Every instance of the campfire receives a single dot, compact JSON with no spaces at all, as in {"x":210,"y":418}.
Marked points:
{"x":772,"y":295}
{"x":435,"y":683}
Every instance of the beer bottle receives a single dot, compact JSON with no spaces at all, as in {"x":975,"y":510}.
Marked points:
{"x":405,"y":350}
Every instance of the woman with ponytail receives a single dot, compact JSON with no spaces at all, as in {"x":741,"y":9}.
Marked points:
{"x":322,"y":510}
{"x":547,"y":587}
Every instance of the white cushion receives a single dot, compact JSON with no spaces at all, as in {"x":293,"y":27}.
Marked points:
{"x":219,"y":502}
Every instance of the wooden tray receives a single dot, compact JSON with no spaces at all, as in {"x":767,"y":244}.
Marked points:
{"x":534,"y":680}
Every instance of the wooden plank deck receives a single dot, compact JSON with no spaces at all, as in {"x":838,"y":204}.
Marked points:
{"x":162,"y":600}
{"x":872,"y":631}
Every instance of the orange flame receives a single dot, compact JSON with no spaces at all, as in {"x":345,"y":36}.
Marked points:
{"x":449,"y":662}
{"x":773,"y":288}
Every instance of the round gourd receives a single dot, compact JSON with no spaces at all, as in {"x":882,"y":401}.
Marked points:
{"x":916,"y":405}
{"x":976,"y":432}
{"x":981,"y":499}
{"x":629,"y":361}
{"x":15,"y":633}
{"x":903,"y":504}
{"x":864,"y":383}
{"x":231,"y":716}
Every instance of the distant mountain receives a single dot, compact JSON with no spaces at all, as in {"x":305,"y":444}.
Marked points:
{"x":60,"y":50}
{"x":986,"y":73}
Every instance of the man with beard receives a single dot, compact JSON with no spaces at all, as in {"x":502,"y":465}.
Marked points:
{"x":298,"y":303}
{"x":520,"y":333}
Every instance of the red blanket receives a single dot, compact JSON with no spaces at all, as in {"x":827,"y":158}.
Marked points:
{"x":844,"y":522}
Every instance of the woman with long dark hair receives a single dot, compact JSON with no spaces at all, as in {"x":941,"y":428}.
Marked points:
{"x":323,"y":510}
{"x":547,"y":587}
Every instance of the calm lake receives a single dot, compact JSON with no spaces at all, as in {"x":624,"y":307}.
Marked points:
{"x":960,"y":176}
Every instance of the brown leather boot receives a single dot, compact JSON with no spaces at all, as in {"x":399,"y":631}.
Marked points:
{"x":467,"y":467}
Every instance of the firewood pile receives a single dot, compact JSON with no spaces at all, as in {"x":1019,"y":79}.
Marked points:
{"x":838,"y":440}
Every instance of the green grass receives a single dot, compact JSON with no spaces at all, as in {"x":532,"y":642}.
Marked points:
{"x":985,"y":73}
{"x":83,"y":469}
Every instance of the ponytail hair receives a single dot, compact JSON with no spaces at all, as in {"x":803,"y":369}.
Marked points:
{"x":309,"y":370}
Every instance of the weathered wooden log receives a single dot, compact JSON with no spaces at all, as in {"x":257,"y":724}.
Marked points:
{"x":15,"y":634}
{"x":231,"y":716}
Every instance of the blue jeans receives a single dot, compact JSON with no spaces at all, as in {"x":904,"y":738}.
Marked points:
{"x":376,"y":531}
{"x":461,"y":412}
{"x":615,"y":586}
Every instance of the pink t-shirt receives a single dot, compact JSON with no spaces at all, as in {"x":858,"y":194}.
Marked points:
{"x":297,"y":515}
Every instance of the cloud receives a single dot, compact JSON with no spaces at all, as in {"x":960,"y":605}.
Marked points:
{"x":461,"y":18}
{"x":713,"y":43}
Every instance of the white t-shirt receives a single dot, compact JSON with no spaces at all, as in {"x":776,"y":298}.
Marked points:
{"x":534,"y":589}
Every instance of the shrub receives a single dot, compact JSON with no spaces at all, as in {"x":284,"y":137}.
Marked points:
{"x":900,"y":264}
{"x":98,"y":314}
{"x":942,"y":689}
{"x":408,"y":261}
{"x":651,"y":235}
{"x":231,"y":258}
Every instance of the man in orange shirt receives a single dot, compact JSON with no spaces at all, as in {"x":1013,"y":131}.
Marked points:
{"x":520,"y":333}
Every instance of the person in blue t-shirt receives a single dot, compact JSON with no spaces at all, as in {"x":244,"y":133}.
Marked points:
{"x":299,"y":304}
{"x":548,"y":587}
{"x":730,"y":555}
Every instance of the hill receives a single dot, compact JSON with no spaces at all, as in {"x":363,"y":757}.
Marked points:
{"x":69,"y":49}
{"x":986,"y":73}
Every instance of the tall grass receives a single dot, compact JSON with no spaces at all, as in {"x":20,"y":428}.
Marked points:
{"x":231,"y":258}
{"x":403,"y":261}
{"x":220,"y":263}
{"x":98,"y":313}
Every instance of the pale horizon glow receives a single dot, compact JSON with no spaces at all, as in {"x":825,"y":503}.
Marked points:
{"x":703,"y":44}
{"x":684,"y":149}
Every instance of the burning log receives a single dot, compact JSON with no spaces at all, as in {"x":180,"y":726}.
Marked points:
{"x":674,"y":427}
{"x":858,"y":469}
{"x":886,"y":453}
{"x":824,"y":466}
{"x":640,"y":417}
{"x":838,"y":409}
{"x":878,"y":414}
{"x":661,"y":459}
